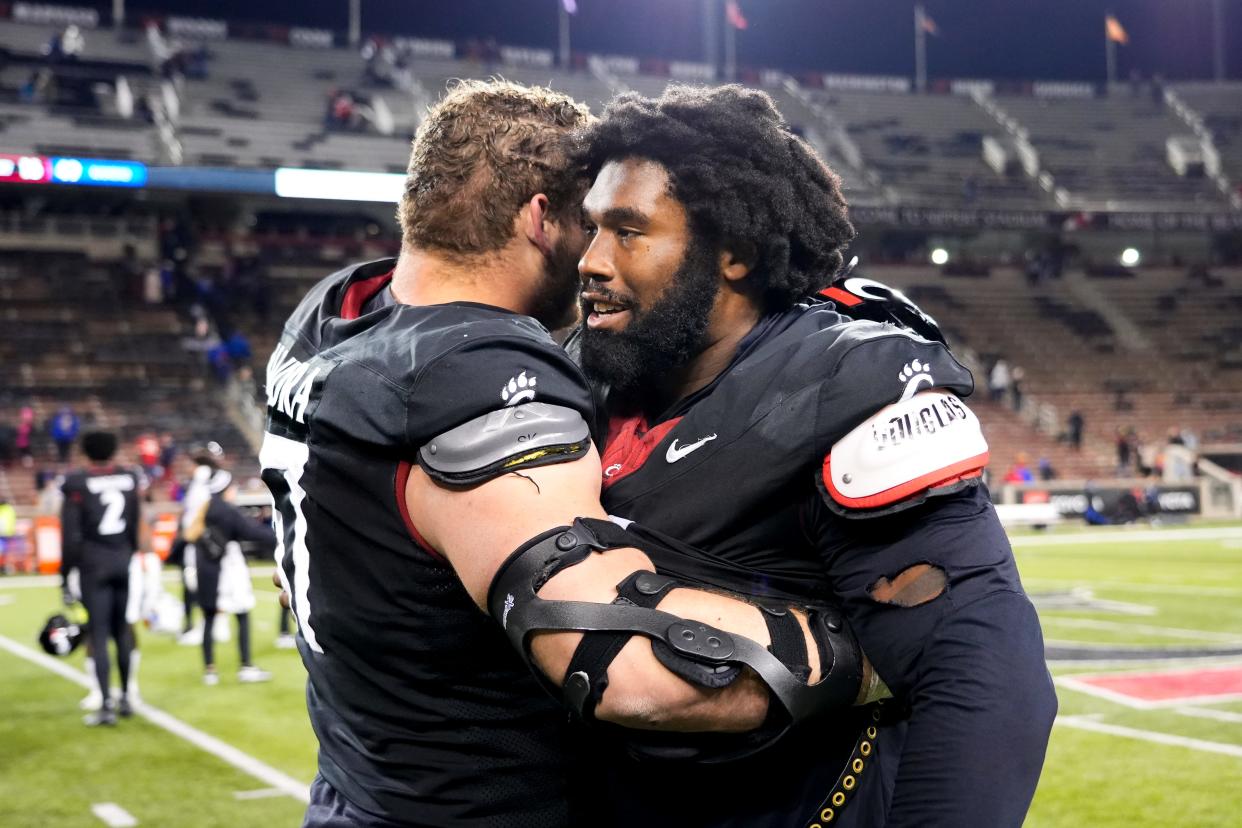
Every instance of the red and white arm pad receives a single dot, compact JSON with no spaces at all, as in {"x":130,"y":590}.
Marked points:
{"x":928,"y":445}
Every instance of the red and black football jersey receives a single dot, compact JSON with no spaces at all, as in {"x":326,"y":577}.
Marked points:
{"x":99,"y":518}
{"x":732,"y":470}
{"x":728,"y":469}
{"x":424,"y":713}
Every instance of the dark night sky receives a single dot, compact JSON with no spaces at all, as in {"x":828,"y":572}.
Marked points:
{"x":1026,"y":39}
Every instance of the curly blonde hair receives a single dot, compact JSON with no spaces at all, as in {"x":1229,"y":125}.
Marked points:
{"x":481,"y":153}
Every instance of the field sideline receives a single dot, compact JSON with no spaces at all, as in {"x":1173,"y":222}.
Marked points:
{"x":1138,"y":748}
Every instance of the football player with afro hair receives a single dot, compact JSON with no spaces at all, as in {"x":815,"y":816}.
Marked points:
{"x":821,"y":455}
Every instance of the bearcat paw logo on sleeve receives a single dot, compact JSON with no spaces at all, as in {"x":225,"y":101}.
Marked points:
{"x":518,"y":389}
{"x":915,"y":375}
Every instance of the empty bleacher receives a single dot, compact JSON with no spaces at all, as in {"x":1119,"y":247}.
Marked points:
{"x":1110,"y":151}
{"x":1189,"y":375}
{"x":1220,"y":106}
{"x":929,"y":149}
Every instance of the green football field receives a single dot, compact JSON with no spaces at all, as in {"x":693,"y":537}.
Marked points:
{"x":237,"y":755}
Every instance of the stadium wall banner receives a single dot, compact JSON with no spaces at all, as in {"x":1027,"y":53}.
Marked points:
{"x":866,"y":83}
{"x":519,"y":56}
{"x":967,"y":88}
{"x":25,"y":169}
{"x":198,"y":28}
{"x":1055,"y":89}
{"x":690,"y":70}
{"x":44,"y":14}
{"x":426,"y":47}
{"x":1154,"y":499}
{"x":967,"y":219}
{"x":304,"y":38}
{"x":617,"y":64}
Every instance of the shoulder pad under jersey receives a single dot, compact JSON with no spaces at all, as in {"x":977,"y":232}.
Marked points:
{"x":930,"y":444}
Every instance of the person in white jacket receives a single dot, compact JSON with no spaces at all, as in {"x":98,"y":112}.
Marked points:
{"x":217,"y":530}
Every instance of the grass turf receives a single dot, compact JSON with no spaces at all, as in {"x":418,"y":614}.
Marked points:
{"x":52,"y":769}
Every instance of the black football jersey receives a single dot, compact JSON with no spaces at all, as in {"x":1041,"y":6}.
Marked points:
{"x":100,"y":518}
{"x":424,"y":713}
{"x":732,"y":470}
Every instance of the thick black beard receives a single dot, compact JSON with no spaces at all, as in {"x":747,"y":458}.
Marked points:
{"x":660,"y":338}
{"x":556,"y":305}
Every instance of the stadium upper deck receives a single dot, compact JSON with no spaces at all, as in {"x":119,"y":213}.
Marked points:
{"x":262,"y":104}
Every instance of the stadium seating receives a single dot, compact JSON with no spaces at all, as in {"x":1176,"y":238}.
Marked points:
{"x":263,"y":104}
{"x":928,"y":149}
{"x":1184,"y":371}
{"x":1110,"y":151}
{"x":73,"y":337}
{"x":1220,"y":106}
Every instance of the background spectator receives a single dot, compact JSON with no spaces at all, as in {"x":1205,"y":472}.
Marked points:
{"x":1075,"y":425}
{"x":998,"y":380}
{"x":25,"y":434}
{"x":64,"y":428}
{"x":1125,"y":451}
{"x":1020,"y":471}
{"x":1017,"y":376}
{"x":8,"y":447}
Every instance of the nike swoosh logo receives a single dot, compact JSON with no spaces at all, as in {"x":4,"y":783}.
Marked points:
{"x":674,"y":453}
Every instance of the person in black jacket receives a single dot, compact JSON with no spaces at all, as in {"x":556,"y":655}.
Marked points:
{"x":101,"y":523}
{"x":223,"y":578}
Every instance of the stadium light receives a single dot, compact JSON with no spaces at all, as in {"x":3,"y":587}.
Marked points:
{"x":939,"y":256}
{"x":343,"y":185}
{"x":1131,"y":256}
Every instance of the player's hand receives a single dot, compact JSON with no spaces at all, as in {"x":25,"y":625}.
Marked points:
{"x":284,"y":593}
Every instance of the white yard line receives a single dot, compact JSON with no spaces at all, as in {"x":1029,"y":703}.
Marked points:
{"x":1085,"y":723}
{"x":1128,"y":586}
{"x":1209,"y":713}
{"x":242,"y":761}
{"x":170,"y":574}
{"x":1130,"y":536}
{"x":1136,"y":662}
{"x":261,"y":793}
{"x":113,"y":815}
{"x":29,"y":581}
{"x":1144,"y":629}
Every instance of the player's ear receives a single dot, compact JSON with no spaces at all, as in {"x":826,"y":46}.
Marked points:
{"x":535,"y":223}
{"x":736,"y":261}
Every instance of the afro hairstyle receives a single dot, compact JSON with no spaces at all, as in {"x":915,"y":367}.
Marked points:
{"x":747,"y":182}
{"x":99,"y":446}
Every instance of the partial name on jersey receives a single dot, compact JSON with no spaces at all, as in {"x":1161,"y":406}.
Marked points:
{"x":110,"y":483}
{"x":939,"y":413}
{"x":291,"y":388}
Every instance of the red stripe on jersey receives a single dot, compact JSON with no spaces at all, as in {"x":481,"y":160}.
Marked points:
{"x":403,"y":477}
{"x":629,"y":445}
{"x":962,"y":470}
{"x":836,"y":294}
{"x":359,"y":293}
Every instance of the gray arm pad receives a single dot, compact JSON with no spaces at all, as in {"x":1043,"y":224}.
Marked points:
{"x":506,"y":440}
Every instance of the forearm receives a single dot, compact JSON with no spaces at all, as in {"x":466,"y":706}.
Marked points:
{"x":982,"y":709}
{"x":642,"y":692}
{"x":639,"y":687}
